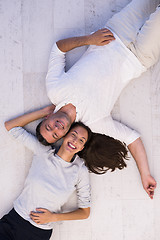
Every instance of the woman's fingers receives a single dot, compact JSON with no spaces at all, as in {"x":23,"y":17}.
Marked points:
{"x":35,"y":218}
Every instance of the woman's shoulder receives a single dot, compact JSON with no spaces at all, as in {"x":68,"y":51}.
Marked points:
{"x":81,"y":163}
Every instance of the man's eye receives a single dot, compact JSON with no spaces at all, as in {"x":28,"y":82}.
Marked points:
{"x":48,"y":128}
{"x":73,"y":134}
{"x":55,"y":136}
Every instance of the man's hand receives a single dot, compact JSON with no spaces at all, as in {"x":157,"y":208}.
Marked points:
{"x":149,"y":185}
{"x":24,"y":119}
{"x":48,"y":110}
{"x":42,"y":216}
{"x":101,"y":37}
{"x":138,"y":152}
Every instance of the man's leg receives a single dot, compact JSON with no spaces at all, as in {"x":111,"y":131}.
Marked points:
{"x":147,"y":44}
{"x":129,"y":20}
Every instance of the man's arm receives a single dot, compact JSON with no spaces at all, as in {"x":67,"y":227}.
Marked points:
{"x":139,"y":154}
{"x":21,"y":135}
{"x":45,"y":216}
{"x":99,"y":38}
{"x":22,"y":120}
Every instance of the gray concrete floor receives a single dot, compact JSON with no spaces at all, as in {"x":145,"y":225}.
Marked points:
{"x":120,"y":207}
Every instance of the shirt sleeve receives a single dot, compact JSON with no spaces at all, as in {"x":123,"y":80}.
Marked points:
{"x":28,"y":140}
{"x":115,"y":129}
{"x":55,"y":69}
{"x":124,"y":133}
{"x":83,"y":188}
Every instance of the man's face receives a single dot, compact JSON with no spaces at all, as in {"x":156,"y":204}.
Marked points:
{"x":55,"y":126}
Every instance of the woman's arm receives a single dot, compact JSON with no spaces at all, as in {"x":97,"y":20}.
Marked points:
{"x":139,"y":154}
{"x":22,"y":120}
{"x":45,"y":216}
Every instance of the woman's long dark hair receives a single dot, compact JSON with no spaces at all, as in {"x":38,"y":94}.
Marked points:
{"x":100,"y":153}
{"x":104,"y":153}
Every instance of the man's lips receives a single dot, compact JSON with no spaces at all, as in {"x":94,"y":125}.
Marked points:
{"x":60,"y":123}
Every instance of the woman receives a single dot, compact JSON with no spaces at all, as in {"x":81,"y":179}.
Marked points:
{"x":90,"y":88}
{"x":52,"y":178}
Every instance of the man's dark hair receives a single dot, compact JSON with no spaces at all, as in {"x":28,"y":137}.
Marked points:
{"x":40,"y":137}
{"x":104,"y":153}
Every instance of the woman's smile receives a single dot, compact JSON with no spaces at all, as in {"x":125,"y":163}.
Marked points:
{"x":70,"y":145}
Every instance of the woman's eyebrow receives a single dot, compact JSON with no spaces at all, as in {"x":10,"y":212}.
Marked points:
{"x":77,"y":133}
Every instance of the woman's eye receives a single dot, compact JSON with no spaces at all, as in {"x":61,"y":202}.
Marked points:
{"x":81,"y":141}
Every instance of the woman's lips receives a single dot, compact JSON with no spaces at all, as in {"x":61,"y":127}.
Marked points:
{"x":71,"y":146}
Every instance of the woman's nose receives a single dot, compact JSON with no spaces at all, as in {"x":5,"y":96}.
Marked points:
{"x":74,"y":139}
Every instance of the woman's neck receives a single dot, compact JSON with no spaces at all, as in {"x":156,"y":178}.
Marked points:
{"x":66,"y":156}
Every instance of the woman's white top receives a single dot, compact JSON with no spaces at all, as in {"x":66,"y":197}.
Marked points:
{"x":50,"y":181}
{"x":93,"y":85}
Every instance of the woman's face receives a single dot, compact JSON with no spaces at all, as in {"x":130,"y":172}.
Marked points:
{"x":75,"y":140}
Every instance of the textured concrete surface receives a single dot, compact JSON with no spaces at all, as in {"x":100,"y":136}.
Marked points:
{"x":120,"y":207}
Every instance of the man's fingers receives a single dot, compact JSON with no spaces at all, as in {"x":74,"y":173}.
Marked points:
{"x":105,"y":42}
{"x":150,"y":192}
{"x":109,"y":37}
{"x":106,"y":31}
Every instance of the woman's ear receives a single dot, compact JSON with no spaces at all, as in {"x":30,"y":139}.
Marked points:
{"x":82,"y":148}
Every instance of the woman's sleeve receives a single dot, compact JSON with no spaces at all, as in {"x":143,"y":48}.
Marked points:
{"x":27,"y":139}
{"x":55,"y":70}
{"x":83,"y":188}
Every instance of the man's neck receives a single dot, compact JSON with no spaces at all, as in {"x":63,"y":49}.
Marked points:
{"x":70,"y":110}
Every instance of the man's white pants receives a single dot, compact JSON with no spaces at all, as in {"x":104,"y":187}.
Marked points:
{"x":138,"y":26}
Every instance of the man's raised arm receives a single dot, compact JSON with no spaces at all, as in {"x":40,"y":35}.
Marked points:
{"x":99,"y":38}
{"x":139,"y":154}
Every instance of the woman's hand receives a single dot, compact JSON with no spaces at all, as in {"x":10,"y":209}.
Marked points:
{"x":149,"y":184}
{"x":101,"y":37}
{"x":42,"y":216}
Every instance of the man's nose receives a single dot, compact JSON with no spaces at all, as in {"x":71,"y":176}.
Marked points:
{"x":55,"y":127}
{"x":56,"y":131}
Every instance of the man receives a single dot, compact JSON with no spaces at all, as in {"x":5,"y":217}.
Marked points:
{"x":88,"y":91}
